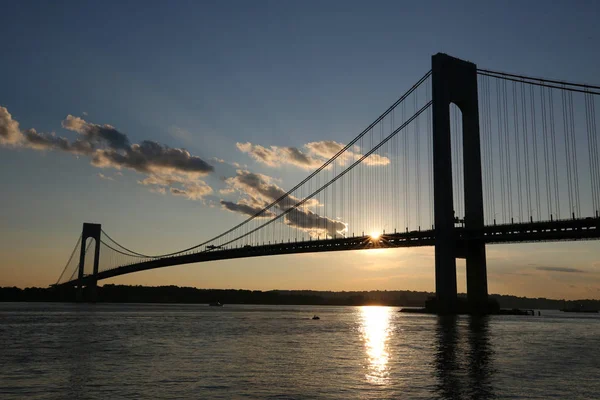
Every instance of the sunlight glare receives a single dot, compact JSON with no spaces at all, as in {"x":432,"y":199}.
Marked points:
{"x":375,"y":235}
{"x":376,"y":331}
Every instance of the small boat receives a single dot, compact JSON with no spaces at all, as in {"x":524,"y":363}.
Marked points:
{"x":315,"y":317}
{"x":215,"y":304}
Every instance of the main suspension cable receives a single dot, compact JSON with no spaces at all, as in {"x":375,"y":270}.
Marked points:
{"x":70,"y":259}
{"x":287,"y":194}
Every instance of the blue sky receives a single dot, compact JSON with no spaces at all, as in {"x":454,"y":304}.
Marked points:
{"x":206,"y":75}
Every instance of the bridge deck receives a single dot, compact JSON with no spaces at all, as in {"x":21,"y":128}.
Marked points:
{"x":575,"y":229}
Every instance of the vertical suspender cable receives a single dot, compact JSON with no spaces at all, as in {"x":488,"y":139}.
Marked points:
{"x":526,"y":152}
{"x":518,"y":150}
{"x":535,"y":153}
{"x":417,"y":159}
{"x":554,"y":163}
{"x":546,"y":160}
{"x":429,"y":134}
{"x":574,"y":150}
{"x":507,"y":153}
{"x":592,"y":152}
{"x":501,"y":148}
{"x":567,"y":151}
{"x":490,"y":147}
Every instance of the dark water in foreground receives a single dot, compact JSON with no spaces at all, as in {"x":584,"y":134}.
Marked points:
{"x":195,"y":351}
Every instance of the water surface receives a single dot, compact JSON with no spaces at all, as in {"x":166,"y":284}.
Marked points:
{"x":54,"y":351}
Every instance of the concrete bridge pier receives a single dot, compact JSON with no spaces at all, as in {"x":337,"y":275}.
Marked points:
{"x":455,"y":81}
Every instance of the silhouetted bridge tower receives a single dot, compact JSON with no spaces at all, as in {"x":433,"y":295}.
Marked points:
{"x":505,"y":155}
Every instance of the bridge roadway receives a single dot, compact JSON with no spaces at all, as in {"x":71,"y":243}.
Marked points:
{"x":547,"y":231}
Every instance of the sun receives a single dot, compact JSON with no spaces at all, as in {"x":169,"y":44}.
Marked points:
{"x":375,"y":235}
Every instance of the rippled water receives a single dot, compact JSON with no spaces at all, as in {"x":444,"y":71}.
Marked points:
{"x":195,"y":351}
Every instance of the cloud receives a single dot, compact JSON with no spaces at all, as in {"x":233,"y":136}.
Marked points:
{"x":108,"y":178}
{"x":177,"y":185}
{"x":246,"y":209}
{"x":561,"y":269}
{"x":375,"y":159}
{"x":10,"y":134}
{"x":276,"y":156}
{"x":314,"y":224}
{"x":96,"y":133}
{"x":312,"y":156}
{"x":41,"y":141}
{"x":324,"y":148}
{"x":151,"y":157}
{"x":258,"y":190}
{"x":109,"y":148}
{"x":194,"y":191}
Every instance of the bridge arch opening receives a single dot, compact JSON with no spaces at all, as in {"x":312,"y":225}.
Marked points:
{"x":88,"y":265}
{"x":456,"y":135}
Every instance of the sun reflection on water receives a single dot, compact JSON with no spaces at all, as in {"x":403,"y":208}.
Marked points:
{"x":376,"y":332}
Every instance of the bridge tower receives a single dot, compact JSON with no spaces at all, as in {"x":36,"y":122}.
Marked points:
{"x":89,"y":231}
{"x":455,"y":81}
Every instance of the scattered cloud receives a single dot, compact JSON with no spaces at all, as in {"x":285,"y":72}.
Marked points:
{"x":246,"y":209}
{"x":107,"y":147}
{"x":84,"y":113}
{"x":108,"y":178}
{"x":258,"y":190}
{"x":96,"y":134}
{"x":311,"y":156}
{"x":561,"y":269}
{"x":314,"y":224}
{"x":274,"y":156}
{"x":40,"y":141}
{"x":178,"y":185}
{"x":234,"y":165}
{"x":10,"y":134}
{"x":194,"y":191}
{"x":152,"y":157}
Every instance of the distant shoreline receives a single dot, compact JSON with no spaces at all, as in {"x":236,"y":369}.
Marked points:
{"x":189,"y":295}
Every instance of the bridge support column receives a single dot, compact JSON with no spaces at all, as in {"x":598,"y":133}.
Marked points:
{"x":89,"y":231}
{"x":443,"y":204}
{"x":455,"y":81}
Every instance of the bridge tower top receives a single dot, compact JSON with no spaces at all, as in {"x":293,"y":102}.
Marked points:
{"x":91,"y":230}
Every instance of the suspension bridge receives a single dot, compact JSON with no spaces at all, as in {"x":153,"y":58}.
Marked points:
{"x":465,"y":158}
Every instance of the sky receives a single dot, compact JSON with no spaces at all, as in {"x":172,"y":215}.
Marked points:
{"x":134,"y":115}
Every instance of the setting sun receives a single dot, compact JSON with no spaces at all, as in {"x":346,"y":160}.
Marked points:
{"x":374,"y":235}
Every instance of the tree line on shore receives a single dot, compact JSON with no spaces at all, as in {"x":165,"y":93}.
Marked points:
{"x":174,"y":294}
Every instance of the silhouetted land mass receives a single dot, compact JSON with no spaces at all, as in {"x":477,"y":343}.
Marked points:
{"x":175,"y":294}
